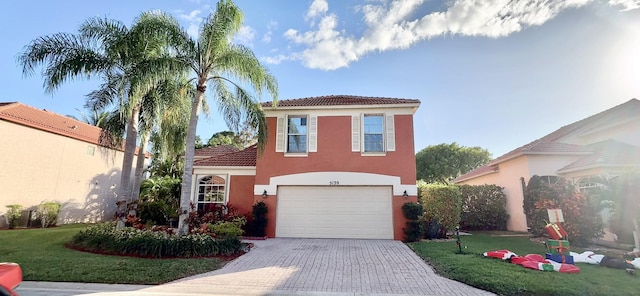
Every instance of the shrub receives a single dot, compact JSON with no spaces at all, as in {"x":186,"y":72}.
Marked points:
{"x":154,"y":212}
{"x":582,"y":222}
{"x":228,"y":228}
{"x":105,"y":238}
{"x":442,"y":205}
{"x":13,"y":215}
{"x":259,"y":222}
{"x":47,"y":213}
{"x":483,"y":208}
{"x":413,"y":227}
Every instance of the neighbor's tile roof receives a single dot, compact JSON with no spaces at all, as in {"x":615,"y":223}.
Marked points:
{"x":242,"y":158}
{"x":212,"y":151}
{"x":49,"y":122}
{"x":340,"y":100}
{"x":607,"y":153}
{"x":548,"y":144}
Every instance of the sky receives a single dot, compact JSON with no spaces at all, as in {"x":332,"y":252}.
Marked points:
{"x":496,"y":74}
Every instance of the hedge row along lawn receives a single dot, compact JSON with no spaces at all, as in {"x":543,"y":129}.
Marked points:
{"x":43,"y":257}
{"x":510,"y":279}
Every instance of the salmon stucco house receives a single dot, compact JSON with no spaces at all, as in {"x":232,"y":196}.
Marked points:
{"x":605,"y":144}
{"x":46,"y":156}
{"x":333,"y":167}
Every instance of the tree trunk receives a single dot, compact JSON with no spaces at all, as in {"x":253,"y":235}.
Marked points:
{"x":124,"y":191}
{"x":135,"y":192}
{"x":185,"y":194}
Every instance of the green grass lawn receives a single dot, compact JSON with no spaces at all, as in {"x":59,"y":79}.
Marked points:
{"x":43,"y":257}
{"x":505,"y":278}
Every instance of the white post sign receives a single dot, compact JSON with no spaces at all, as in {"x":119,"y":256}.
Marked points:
{"x":555,"y":215}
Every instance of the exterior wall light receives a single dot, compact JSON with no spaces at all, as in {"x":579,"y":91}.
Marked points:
{"x":405,"y":195}
{"x":264,"y":194}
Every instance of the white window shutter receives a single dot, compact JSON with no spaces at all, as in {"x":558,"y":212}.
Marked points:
{"x":280,"y":125}
{"x":313,"y":133}
{"x":390,"y":133}
{"x":355,"y":133}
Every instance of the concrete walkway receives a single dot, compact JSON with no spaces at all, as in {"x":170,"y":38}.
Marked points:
{"x":317,"y":267}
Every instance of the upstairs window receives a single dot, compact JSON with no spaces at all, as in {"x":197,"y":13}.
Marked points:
{"x":296,"y":134}
{"x":373,"y":133}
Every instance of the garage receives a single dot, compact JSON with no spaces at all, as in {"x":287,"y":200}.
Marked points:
{"x":334,"y":212}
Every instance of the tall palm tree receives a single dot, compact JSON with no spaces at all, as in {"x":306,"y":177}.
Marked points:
{"x":119,"y":55}
{"x":225,"y":67}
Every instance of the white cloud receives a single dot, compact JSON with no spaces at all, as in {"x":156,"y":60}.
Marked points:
{"x":246,"y":35}
{"x":193,"y":20}
{"x":626,"y":4}
{"x":391,"y":25}
{"x":317,"y":8}
{"x":270,"y":27}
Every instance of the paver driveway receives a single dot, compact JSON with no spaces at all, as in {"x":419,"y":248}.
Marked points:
{"x":322,"y":266}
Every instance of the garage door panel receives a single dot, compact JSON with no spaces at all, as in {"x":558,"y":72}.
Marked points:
{"x":334,"y":212}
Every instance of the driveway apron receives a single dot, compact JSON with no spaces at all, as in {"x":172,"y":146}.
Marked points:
{"x":320,"y":267}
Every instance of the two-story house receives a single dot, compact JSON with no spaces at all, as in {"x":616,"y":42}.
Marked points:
{"x":333,"y":167}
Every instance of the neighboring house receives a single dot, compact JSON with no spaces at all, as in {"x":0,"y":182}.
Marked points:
{"x":607,"y":143}
{"x":333,"y":167}
{"x":45,"y":156}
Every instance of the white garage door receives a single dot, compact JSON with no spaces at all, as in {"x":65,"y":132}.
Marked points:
{"x":334,"y":212}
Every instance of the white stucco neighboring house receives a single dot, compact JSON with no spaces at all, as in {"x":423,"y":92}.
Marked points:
{"x":45,"y":156}
{"x":607,"y":143}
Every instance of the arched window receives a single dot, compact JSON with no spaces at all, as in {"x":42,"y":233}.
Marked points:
{"x":211,"y":191}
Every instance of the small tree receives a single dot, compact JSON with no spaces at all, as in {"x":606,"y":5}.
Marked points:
{"x":445,"y":162}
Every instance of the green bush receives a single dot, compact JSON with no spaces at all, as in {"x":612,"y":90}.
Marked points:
{"x":47,"y":213}
{"x":228,"y":228}
{"x":13,"y":215}
{"x":105,"y":238}
{"x":259,"y":221}
{"x":154,"y":212}
{"x":413,"y":227}
{"x":483,"y":208}
{"x":442,"y":205}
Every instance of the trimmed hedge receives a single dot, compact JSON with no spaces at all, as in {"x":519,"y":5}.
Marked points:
{"x":105,"y":238}
{"x":442,"y":206}
{"x":483,"y":208}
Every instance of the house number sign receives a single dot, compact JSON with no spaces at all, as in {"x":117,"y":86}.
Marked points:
{"x":334,"y":183}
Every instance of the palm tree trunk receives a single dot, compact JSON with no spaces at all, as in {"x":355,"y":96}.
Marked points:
{"x":185,"y":195}
{"x":135,"y":192}
{"x":127,"y":163}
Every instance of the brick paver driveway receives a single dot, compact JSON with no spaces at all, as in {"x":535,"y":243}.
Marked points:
{"x":319,"y":267}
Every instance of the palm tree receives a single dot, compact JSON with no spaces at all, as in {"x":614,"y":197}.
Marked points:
{"x":119,"y":55}
{"x":217,"y":63}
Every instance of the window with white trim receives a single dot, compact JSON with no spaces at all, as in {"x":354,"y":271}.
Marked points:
{"x":211,"y":191}
{"x":373,"y":134}
{"x":373,"y":128}
{"x":297,"y":134}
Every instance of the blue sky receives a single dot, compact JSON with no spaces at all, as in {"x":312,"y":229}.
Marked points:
{"x":495,"y":74}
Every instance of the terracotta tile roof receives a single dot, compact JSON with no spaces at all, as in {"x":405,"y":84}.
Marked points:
{"x":340,"y":100}
{"x":50,"y":122}
{"x":242,"y":158}
{"x":215,"y":150}
{"x":549,"y":144}
{"x":607,"y":153}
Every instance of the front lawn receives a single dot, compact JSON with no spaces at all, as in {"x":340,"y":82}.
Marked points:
{"x":510,"y":279}
{"x":43,"y":257}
